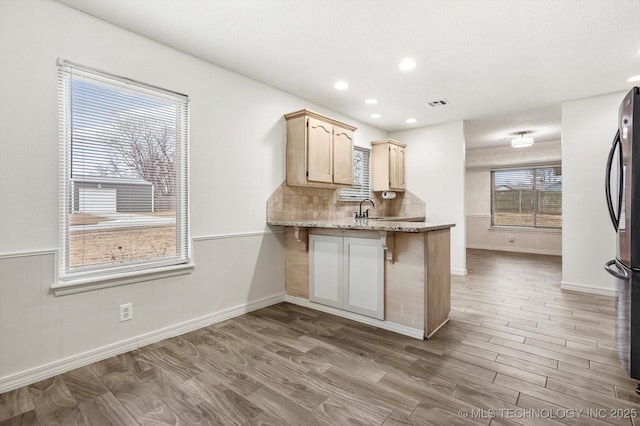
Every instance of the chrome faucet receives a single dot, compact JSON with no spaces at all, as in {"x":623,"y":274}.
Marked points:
{"x":366,"y":213}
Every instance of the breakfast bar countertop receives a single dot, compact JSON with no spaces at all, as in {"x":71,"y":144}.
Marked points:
{"x":365,"y":224}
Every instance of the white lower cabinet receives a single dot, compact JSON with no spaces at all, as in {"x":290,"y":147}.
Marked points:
{"x":326,"y":270}
{"x":347,"y":273}
{"x":364,"y":276}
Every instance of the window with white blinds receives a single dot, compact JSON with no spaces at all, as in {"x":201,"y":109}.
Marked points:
{"x":360,"y":189}
{"x":123,"y":175}
{"x":530,"y":197}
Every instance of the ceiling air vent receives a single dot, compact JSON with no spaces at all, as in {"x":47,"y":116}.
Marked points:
{"x":438,"y":103}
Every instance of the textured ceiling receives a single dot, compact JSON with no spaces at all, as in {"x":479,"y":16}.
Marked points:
{"x":543,"y":124}
{"x":495,"y":61}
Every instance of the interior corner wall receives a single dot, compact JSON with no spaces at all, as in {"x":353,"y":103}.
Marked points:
{"x":435,"y":169}
{"x":588,"y":127}
{"x":237,"y":159}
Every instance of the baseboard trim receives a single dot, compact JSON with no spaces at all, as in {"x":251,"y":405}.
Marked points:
{"x":445,"y":322}
{"x":589,"y":289}
{"x":514,"y":249}
{"x":51,"y":369}
{"x":416,"y":333}
{"x":459,"y":272}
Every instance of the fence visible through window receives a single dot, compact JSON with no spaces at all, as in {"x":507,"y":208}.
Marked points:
{"x":527,"y":197}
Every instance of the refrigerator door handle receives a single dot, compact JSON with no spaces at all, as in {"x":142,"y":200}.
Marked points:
{"x":615,"y":219}
{"x":620,"y":271}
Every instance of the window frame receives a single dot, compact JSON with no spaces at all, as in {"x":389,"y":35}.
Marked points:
{"x":535,"y":226}
{"x":357,"y":194}
{"x":107,"y":275}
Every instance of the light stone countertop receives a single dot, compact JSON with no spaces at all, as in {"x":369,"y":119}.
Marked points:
{"x":365,"y":225}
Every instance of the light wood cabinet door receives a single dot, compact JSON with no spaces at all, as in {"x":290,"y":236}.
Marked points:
{"x":364,"y":277}
{"x":388,"y":165}
{"x":320,"y":151}
{"x":401,"y":184}
{"x":379,"y":166}
{"x":342,"y":156}
{"x":393,"y":166}
{"x":326,"y":270}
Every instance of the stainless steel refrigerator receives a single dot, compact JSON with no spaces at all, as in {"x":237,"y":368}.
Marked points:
{"x":622,"y":188}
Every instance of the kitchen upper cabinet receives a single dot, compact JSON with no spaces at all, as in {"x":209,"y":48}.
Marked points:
{"x":319,"y":151}
{"x":347,"y":273}
{"x":387,"y":163}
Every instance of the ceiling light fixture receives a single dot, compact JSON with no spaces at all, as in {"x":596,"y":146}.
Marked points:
{"x":407,"y":64}
{"x":341,"y":85}
{"x":371,"y":101}
{"x":376,"y":115}
{"x":411,"y":120}
{"x":522,"y":141}
{"x":633,"y":79}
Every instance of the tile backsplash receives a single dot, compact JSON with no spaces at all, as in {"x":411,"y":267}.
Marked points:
{"x":304,"y":203}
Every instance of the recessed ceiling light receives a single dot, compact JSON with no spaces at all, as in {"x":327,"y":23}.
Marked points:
{"x":376,"y":115}
{"x":371,"y":101}
{"x":407,"y":64}
{"x":341,"y":85}
{"x":411,"y":120}
{"x":633,"y":79}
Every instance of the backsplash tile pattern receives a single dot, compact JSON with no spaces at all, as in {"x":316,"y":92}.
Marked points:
{"x":303,"y":203}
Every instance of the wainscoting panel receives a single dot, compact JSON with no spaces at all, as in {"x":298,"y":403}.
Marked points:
{"x":43,"y":335}
{"x":542,"y":241}
{"x":20,"y":299}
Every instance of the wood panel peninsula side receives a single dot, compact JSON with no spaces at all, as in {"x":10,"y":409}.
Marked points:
{"x":414,"y":263}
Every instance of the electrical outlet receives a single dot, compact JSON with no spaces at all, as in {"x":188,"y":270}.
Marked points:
{"x":126,"y":312}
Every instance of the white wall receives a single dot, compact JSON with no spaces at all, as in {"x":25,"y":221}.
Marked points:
{"x":479,"y":164}
{"x":237,"y":142}
{"x":588,"y":127}
{"x":435,"y":159}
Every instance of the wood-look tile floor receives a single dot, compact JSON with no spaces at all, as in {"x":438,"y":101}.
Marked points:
{"x":518,"y":350}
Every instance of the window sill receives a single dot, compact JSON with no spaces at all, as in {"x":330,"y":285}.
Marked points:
{"x":525,"y":229}
{"x":105,"y":281}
